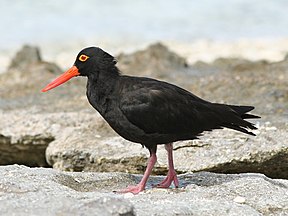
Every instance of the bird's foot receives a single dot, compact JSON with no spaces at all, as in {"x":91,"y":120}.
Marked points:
{"x":134,"y":189}
{"x":171,"y":177}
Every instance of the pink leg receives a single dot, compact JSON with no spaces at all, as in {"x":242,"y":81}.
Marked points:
{"x":171,"y":176}
{"x":141,"y":186}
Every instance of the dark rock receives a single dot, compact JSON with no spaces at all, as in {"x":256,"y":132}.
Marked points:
{"x":27,"y":150}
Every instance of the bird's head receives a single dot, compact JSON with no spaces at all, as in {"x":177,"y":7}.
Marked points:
{"x":89,"y":61}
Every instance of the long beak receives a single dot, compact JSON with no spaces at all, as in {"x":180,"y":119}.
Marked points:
{"x":73,"y":71}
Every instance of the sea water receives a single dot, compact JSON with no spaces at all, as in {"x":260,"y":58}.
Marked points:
{"x":56,"y":25}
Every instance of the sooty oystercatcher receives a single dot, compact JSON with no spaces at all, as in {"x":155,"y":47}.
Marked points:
{"x":148,"y":111}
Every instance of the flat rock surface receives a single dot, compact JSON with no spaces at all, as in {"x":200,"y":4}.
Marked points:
{"x":83,"y":141}
{"x":42,"y":191}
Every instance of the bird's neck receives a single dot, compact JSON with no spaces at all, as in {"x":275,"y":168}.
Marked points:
{"x":100,"y":87}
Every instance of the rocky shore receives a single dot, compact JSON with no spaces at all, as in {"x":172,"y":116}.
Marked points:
{"x":59,"y":129}
{"x":45,"y":191}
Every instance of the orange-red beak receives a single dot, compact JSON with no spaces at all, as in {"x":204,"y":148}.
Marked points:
{"x":73,"y":71}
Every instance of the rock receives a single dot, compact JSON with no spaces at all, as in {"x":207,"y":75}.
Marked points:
{"x":26,"y":56}
{"x":22,"y":82}
{"x":157,"y":61}
{"x":28,"y":150}
{"x":84,"y":142}
{"x":43,"y":191}
{"x":236,"y":153}
{"x":220,"y":151}
{"x":237,"y":81}
{"x":239,"y":199}
{"x":79,"y":139}
{"x":25,"y":135}
{"x":219,"y":81}
{"x":25,"y":142}
{"x":20,"y":88}
{"x":26,"y":191}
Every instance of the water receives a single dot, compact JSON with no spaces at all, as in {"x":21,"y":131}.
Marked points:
{"x":35,"y":21}
{"x":62,"y":28}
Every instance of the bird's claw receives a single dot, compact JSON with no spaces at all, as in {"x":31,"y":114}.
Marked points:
{"x":171,"y":177}
{"x":134,"y":189}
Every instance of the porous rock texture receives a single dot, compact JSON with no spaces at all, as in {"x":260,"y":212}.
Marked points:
{"x":43,"y":191}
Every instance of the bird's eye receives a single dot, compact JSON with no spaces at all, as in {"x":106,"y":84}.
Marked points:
{"x":83,"y":58}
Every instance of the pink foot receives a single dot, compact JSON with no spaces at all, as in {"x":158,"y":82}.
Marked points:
{"x":141,"y":186}
{"x":171,"y":177}
{"x":135,"y":189}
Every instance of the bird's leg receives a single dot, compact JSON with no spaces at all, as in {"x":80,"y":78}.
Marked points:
{"x":172,"y":175}
{"x":141,"y":186}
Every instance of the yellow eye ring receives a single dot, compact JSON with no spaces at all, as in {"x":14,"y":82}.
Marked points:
{"x":83,"y":58}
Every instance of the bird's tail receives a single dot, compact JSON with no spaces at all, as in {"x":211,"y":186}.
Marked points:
{"x":242,"y":111}
{"x":237,"y":122}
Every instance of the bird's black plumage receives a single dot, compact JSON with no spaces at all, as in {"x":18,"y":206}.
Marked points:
{"x":148,"y":111}
{"x":152,"y":112}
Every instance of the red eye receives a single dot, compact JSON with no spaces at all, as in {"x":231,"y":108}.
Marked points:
{"x":83,"y":58}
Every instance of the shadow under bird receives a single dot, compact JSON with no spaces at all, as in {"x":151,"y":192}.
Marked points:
{"x":149,"y":111}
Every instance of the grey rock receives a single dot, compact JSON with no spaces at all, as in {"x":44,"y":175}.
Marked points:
{"x":18,"y":146}
{"x":44,"y":191}
{"x":25,"y":191}
{"x":25,"y":136}
{"x":21,"y":84}
{"x":62,"y":129}
{"x":234,"y":81}
{"x":238,"y":81}
{"x":223,"y":151}
{"x":26,"y":56}
{"x":84,"y":142}
{"x":28,"y":150}
{"x":227,"y":151}
{"x":156,"y":60}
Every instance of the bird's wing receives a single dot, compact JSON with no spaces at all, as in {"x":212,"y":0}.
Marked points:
{"x":167,"y":109}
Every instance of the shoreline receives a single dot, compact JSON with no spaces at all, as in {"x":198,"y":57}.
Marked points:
{"x":205,"y":50}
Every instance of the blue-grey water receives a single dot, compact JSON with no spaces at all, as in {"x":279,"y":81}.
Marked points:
{"x":52,"y":21}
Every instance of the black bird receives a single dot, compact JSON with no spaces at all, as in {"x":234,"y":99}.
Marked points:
{"x":148,"y":111}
